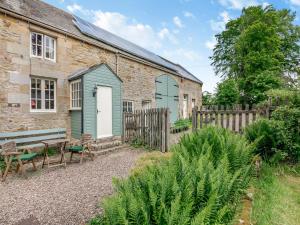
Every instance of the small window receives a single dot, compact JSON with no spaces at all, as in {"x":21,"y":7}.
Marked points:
{"x":146,"y":104}
{"x":128,"y":106}
{"x":43,"y":46}
{"x":36,"y":45}
{"x":76,"y":94}
{"x":43,"y":95}
{"x":193,"y":103}
{"x":50,"y":46}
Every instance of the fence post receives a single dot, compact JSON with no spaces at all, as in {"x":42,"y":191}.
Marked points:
{"x":167,"y":129}
{"x":123,"y":127}
{"x":194,"y":118}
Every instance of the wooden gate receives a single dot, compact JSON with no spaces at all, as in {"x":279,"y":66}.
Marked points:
{"x":235,"y":118}
{"x":151,"y":127}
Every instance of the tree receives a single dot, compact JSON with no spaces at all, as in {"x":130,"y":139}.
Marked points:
{"x":227,"y":92}
{"x":208,"y":98}
{"x":258,"y":49}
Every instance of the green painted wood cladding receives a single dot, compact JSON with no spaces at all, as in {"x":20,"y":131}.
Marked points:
{"x":76,"y":123}
{"x":167,"y":95}
{"x":101,"y":76}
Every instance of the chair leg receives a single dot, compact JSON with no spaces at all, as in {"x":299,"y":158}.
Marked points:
{"x":17,"y":168}
{"x":33,"y":165}
{"x":7,"y":168}
{"x":21,"y":165}
{"x":91,"y":155}
{"x":81,"y":157}
{"x":71,"y":156}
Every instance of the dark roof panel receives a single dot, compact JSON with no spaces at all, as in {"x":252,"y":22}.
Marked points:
{"x":47,"y":14}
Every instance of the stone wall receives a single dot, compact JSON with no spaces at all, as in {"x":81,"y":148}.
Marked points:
{"x":16,"y":67}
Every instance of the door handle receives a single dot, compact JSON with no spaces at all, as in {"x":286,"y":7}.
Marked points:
{"x":98,"y":111}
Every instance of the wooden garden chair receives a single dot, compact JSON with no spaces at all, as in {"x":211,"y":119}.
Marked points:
{"x":11,"y":154}
{"x":83,"y":148}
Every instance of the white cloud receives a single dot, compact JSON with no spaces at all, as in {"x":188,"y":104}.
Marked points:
{"x":138,"y":33}
{"x":266,"y":4}
{"x":295,"y":2}
{"x":210,"y":44}
{"x":177,"y":22}
{"x":166,"y":34}
{"x":239,"y":4}
{"x":74,"y":8}
{"x":181,"y":54}
{"x":219,"y":25}
{"x":188,"y":14}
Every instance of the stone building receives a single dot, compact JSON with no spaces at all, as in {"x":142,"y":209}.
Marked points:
{"x":57,"y":70}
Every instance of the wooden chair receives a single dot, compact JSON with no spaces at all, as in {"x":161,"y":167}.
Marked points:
{"x":10,"y":153}
{"x":83,"y":148}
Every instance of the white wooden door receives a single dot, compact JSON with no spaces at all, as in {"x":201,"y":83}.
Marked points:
{"x":104,"y":111}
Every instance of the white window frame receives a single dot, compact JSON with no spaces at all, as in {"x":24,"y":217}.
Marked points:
{"x":42,"y":49}
{"x":43,"y":109}
{"x":71,"y":95}
{"x":54,"y":48}
{"x":127,"y":101}
{"x":43,"y":56}
{"x":193,"y":102}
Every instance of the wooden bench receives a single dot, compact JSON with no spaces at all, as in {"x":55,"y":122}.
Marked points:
{"x":27,"y":140}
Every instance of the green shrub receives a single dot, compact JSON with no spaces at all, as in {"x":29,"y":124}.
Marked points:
{"x":290,"y":116}
{"x":181,"y":125}
{"x":285,"y":96}
{"x":200,"y":184}
{"x":270,"y":138}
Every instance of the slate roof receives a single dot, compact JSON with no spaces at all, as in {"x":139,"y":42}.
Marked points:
{"x":52,"y":16}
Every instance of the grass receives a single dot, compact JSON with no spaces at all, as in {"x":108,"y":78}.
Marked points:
{"x":277,"y":196}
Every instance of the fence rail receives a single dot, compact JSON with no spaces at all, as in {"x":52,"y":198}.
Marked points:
{"x":235,"y":118}
{"x":151,"y":127}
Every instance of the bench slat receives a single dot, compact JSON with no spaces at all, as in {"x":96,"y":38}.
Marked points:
{"x":31,"y":132}
{"x":31,"y":146}
{"x":35,"y":139}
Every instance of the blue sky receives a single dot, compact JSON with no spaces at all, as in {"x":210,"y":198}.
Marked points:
{"x":180,"y":30}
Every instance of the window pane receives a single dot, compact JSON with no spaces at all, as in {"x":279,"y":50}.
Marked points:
{"x":33,"y":38}
{"x":39,"y":50}
{"x":47,"y":86}
{"x":52,"y":94}
{"x":39,"y":104}
{"x":46,"y":41}
{"x":33,"y":104}
{"x":39,"y":94}
{"x":33,"y":84}
{"x":33,"y":94}
{"x":47,"y":94}
{"x":39,"y":39}
{"x":52,"y":85}
{"x":33,"y":49}
{"x":47,"y":104}
{"x":47,"y":54}
{"x":51,"y":104}
{"x":38,"y":83}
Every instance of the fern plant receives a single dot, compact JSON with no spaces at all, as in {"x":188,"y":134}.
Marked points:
{"x":200,"y":184}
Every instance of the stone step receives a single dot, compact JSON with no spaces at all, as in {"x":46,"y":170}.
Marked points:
{"x":108,"y":150}
{"x":108,"y":139}
{"x":106,"y":145}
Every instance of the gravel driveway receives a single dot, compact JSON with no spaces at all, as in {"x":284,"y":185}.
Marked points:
{"x":61,"y":196}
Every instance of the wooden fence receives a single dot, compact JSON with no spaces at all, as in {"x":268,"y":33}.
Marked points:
{"x":235,"y":118}
{"x":151,"y":127}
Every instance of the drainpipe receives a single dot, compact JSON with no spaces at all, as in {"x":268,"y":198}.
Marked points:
{"x":117,"y":63}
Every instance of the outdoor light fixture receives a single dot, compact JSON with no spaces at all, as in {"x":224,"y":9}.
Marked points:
{"x":94,"y":91}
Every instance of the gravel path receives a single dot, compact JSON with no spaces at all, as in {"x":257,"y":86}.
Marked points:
{"x":61,"y":196}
